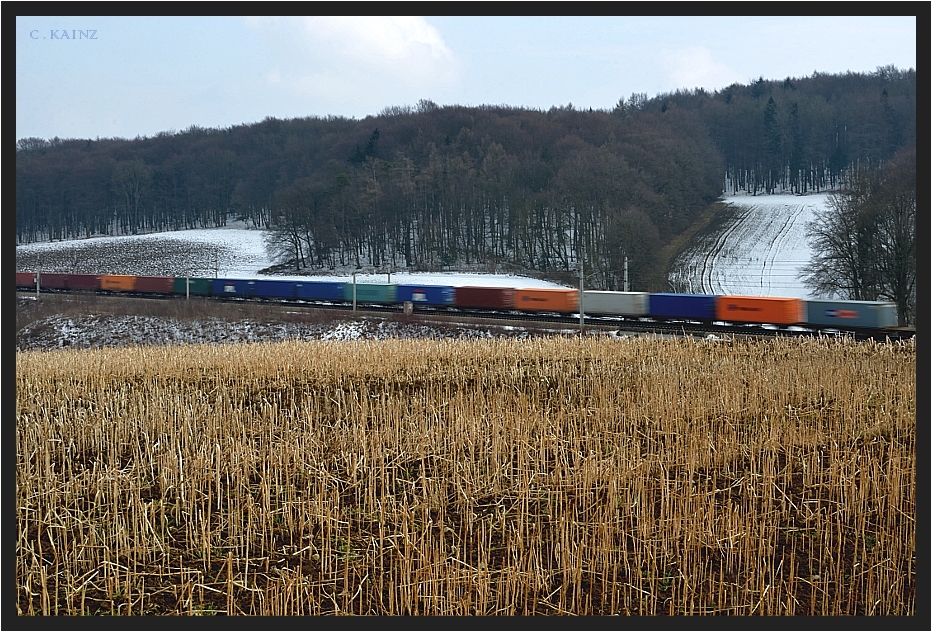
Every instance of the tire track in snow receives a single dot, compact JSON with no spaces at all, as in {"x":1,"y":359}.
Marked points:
{"x":706,"y":282}
{"x":775,"y":247}
{"x":758,"y":240}
{"x":759,"y":253}
{"x":784,"y":270}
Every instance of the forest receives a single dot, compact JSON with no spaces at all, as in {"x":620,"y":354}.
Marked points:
{"x":427,"y":187}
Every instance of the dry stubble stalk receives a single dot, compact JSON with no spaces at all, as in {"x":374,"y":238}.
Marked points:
{"x":496,"y":477}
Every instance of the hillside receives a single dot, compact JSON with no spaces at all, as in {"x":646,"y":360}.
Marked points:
{"x":427,"y":187}
{"x":752,"y":256}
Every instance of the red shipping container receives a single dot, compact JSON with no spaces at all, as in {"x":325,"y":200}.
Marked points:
{"x":69,"y":281}
{"x":485,"y":297}
{"x":26,"y":279}
{"x":155,"y":284}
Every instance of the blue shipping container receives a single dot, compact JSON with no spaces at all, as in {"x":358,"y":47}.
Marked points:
{"x":276,"y":289}
{"x":233,"y":287}
{"x":683,"y":306}
{"x":426,"y":294}
{"x":321,"y":290}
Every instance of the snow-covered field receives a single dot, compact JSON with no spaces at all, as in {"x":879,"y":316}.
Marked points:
{"x":233,"y":252}
{"x":760,"y":252}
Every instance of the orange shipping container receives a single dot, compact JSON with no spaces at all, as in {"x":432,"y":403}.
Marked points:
{"x":760,"y":309}
{"x":547,"y":300}
{"x":118,"y":282}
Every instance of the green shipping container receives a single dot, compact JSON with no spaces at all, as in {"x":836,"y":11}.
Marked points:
{"x":196,"y":286}
{"x":385,"y":293}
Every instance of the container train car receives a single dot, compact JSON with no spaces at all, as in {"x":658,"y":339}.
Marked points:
{"x":26,"y":280}
{"x":760,"y":309}
{"x":846,"y":314}
{"x":814,"y":315}
{"x":489,"y":298}
{"x":694,"y":307}
{"x":69,"y":282}
{"x":547,"y":300}
{"x":616,"y":303}
{"x":433,"y":295}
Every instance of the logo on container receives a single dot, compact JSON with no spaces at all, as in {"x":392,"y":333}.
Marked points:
{"x":841,"y":313}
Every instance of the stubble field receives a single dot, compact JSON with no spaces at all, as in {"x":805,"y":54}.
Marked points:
{"x":492,"y":477}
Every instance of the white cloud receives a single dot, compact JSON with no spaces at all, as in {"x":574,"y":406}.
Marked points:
{"x":695,"y":68}
{"x":346,"y":58}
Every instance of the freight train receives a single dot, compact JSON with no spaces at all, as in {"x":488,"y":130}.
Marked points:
{"x":873,"y":317}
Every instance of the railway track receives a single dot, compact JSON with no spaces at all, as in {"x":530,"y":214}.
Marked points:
{"x":613,"y":323}
{"x":620,"y":325}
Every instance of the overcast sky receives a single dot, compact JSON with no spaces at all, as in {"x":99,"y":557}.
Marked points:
{"x":89,"y":77}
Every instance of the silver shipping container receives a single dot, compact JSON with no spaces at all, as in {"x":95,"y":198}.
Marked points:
{"x":847,"y":314}
{"x":616,"y":303}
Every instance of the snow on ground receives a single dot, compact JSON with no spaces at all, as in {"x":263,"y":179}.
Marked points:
{"x":455,"y":279}
{"x":760,"y":252}
{"x":232,"y":252}
{"x":95,"y":330}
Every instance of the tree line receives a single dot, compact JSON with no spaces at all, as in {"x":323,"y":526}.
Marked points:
{"x":428,"y":186}
{"x":801,"y":135}
{"x":865,"y":243}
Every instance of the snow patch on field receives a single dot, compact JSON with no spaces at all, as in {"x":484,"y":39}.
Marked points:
{"x":107,"y":330}
{"x":760,"y":252}
{"x":232,"y":252}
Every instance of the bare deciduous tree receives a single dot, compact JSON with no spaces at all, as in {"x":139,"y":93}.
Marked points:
{"x":865,"y":243}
